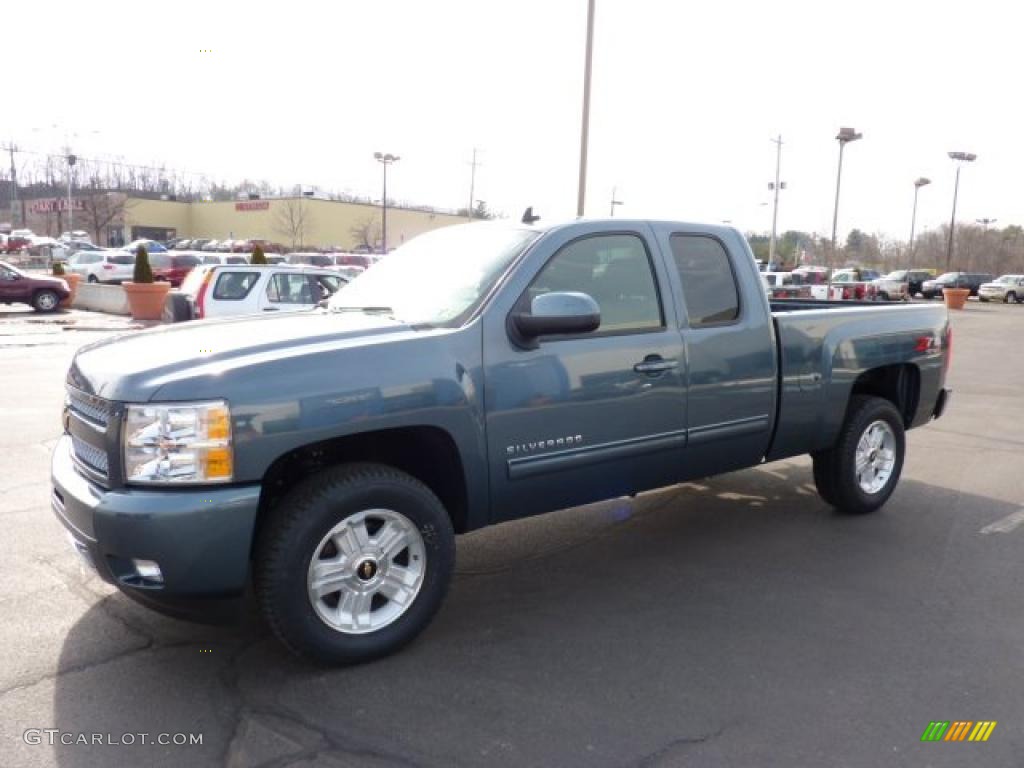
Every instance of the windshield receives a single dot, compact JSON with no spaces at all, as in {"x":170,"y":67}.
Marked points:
{"x":1008,"y":279}
{"x":899,"y":274}
{"x":438,"y":276}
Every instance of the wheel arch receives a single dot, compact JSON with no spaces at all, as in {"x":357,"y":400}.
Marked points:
{"x":428,"y":453}
{"x":899,"y":383}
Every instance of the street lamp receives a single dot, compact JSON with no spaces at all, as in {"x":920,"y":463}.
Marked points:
{"x":921,"y":182}
{"x":960,"y":158}
{"x":844,"y":137}
{"x":585,"y":128}
{"x":985,"y":222}
{"x":385,"y":160}
{"x":775,"y":210}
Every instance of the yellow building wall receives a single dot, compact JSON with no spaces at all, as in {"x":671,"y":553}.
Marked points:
{"x":326,"y":222}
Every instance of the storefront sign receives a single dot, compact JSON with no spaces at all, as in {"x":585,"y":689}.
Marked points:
{"x":253,"y":205}
{"x":54,"y":204}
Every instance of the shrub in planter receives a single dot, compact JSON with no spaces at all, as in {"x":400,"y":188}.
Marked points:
{"x":258,"y":257}
{"x":71,"y":279}
{"x":145,"y":297}
{"x":58,"y":269}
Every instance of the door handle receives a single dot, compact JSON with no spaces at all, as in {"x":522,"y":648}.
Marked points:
{"x":271,"y":309}
{"x":655,"y":364}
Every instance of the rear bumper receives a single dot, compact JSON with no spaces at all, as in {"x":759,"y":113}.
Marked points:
{"x":941,"y":402}
{"x":200,"y":538}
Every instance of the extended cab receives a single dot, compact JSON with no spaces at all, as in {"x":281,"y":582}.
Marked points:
{"x":331,"y":456}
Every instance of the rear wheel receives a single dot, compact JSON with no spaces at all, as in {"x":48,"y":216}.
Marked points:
{"x":1011,"y":297}
{"x":353,"y":563}
{"x":859,"y":473}
{"x":176,"y":308}
{"x":45,"y":301}
{"x":93,"y":279}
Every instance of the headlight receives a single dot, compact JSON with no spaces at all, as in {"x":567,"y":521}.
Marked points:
{"x":178,"y":443}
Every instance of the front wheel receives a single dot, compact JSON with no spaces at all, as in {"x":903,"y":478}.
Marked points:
{"x":1011,"y":298}
{"x":859,"y":473}
{"x":93,"y":279}
{"x":45,"y":301}
{"x":353,"y":563}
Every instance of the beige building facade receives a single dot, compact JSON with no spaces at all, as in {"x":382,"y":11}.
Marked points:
{"x":293,"y":221}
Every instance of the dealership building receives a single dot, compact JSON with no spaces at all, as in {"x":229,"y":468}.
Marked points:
{"x":308,"y":221}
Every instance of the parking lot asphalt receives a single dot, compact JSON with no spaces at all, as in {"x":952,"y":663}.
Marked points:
{"x":734,"y":621}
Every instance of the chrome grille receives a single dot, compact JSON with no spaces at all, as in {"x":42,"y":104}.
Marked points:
{"x":93,"y":458}
{"x":91,"y":408}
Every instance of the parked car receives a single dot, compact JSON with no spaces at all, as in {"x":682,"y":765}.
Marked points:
{"x":224,"y":258}
{"x":785,"y":286}
{"x":971,"y":280}
{"x":814,"y":277}
{"x":899,"y":285}
{"x":330,"y":457}
{"x":78,"y":235}
{"x":114,"y":266}
{"x":173,"y":267}
{"x":152,"y":246}
{"x":69,"y":248}
{"x":1007,"y":288}
{"x":212,"y":291}
{"x":181,"y":244}
{"x":363,"y":260}
{"x":43,"y":294}
{"x":198,"y":244}
{"x":211,"y":245}
{"x":312,"y":259}
{"x":852,"y":284}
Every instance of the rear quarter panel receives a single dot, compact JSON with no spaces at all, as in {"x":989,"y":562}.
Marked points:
{"x":824,"y":351}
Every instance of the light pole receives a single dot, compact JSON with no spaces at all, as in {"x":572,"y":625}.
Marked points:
{"x":614,"y":202}
{"x":775,"y":210}
{"x":985,"y":222}
{"x":71,"y":165}
{"x":585,"y":129}
{"x":960,"y":158}
{"x":844,"y":137}
{"x":472,"y":185}
{"x":385,"y":160}
{"x":921,"y":182}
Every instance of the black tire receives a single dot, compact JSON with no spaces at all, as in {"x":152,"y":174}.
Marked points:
{"x":1011,"y":297}
{"x":835,"y":470}
{"x":289,"y":538}
{"x":93,"y":279}
{"x":177,"y":308}
{"x":983,"y":300}
{"x":45,"y":300}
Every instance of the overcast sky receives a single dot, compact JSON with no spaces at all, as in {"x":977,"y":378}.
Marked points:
{"x":686,"y":96}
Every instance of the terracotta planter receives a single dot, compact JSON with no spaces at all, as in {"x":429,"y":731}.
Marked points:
{"x":146,"y":300}
{"x":955,"y":298}
{"x":72,"y":280}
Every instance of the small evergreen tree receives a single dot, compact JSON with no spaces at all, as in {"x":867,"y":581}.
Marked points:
{"x":258,"y":257}
{"x":143,"y":273}
{"x":58,"y":269}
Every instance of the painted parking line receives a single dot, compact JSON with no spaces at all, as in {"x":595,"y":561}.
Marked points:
{"x":1006,"y":524}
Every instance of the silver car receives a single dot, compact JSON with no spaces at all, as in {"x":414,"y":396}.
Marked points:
{"x":1007,"y":288}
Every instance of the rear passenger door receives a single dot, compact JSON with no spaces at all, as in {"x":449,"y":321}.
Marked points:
{"x":730,"y":342}
{"x":287,"y":292}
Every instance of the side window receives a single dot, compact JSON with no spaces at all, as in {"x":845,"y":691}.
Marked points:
{"x":289,"y":289}
{"x":234,"y":286}
{"x":709,"y":285}
{"x":615,"y":271}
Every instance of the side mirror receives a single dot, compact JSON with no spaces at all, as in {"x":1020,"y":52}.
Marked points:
{"x":560,"y":312}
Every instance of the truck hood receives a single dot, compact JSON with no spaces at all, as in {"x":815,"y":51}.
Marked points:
{"x":133,"y":367}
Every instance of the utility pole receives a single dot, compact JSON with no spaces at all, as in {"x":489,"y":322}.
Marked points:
{"x":775,"y":210}
{"x":14,"y":186}
{"x":614,"y":202}
{"x":472,"y":185}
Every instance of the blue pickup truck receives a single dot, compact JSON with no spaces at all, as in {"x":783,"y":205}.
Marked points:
{"x":478,"y":374}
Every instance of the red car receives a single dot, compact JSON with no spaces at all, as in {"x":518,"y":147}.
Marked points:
{"x":43,"y":294}
{"x":172,"y":267}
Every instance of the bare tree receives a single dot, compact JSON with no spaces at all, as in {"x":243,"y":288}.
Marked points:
{"x":102,"y":209}
{"x":367,"y":232}
{"x":293,"y":221}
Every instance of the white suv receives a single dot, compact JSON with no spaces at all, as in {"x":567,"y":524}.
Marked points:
{"x":212,"y":290}
{"x":103,"y":266}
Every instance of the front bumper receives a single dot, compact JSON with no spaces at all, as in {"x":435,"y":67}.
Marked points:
{"x":200,"y":537}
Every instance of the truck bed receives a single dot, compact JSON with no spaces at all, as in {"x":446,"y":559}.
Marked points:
{"x":823,"y":346}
